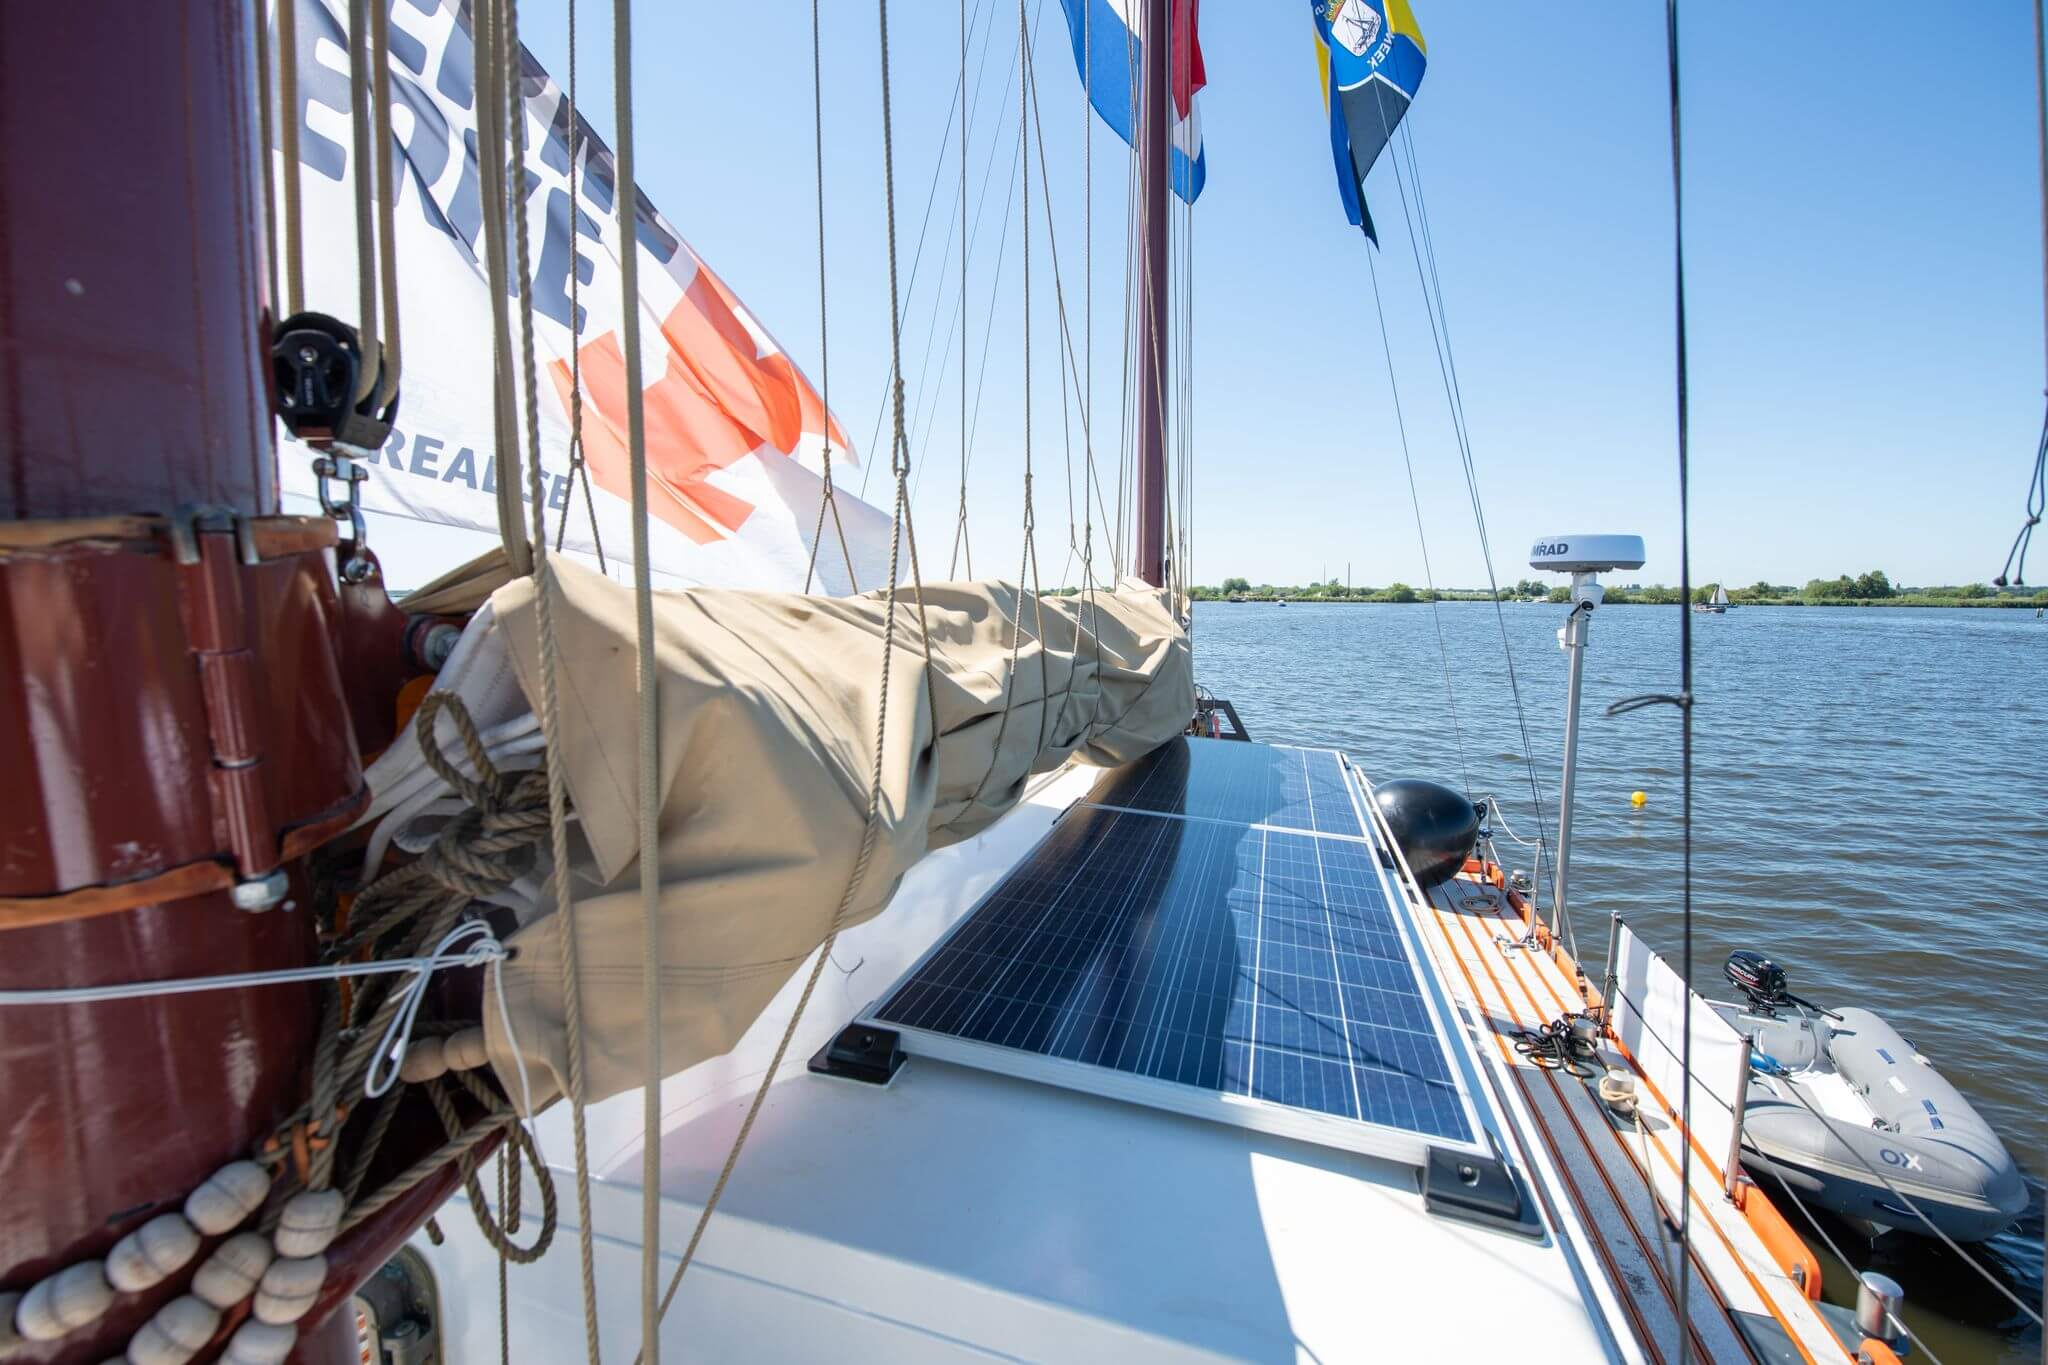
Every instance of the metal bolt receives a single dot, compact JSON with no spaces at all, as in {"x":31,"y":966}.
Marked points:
{"x":308,"y":354}
{"x":260,"y":893}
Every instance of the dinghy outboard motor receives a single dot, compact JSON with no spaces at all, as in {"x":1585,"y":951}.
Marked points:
{"x":1757,"y":977}
{"x":1763,"y":982}
{"x":1436,"y":828}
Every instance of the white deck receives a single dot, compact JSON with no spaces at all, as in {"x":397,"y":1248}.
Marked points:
{"x":959,"y":1214}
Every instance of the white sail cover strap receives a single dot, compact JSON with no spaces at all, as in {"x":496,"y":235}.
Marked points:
{"x":768,"y":705}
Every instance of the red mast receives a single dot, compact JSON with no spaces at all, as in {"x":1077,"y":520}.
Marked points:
{"x":178,"y":665}
{"x":1155,"y":123}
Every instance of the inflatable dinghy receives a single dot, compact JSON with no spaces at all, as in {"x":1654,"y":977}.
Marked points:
{"x":1835,"y":1096}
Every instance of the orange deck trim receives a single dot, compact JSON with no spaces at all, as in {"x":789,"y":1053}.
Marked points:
{"x":1655,"y":1262}
{"x":1693,"y":1194}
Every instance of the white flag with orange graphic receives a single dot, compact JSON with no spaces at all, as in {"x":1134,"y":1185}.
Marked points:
{"x":734,"y":431}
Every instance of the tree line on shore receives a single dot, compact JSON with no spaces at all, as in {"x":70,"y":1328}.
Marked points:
{"x":1863,"y":590}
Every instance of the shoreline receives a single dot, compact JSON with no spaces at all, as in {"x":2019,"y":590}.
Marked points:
{"x":2008,"y":603}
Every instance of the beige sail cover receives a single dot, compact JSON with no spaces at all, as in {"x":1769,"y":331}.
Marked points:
{"x":769,"y":704}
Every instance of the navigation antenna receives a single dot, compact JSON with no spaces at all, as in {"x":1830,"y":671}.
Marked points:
{"x":1585,"y":558}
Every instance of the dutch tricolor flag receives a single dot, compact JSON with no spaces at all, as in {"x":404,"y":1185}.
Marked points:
{"x":1109,"y":38}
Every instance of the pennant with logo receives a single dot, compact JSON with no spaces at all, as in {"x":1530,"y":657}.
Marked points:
{"x":1370,"y":56}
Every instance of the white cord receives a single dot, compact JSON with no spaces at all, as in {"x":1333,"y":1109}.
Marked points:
{"x":1494,"y":811}
{"x":487,"y":950}
{"x":389,"y":1057}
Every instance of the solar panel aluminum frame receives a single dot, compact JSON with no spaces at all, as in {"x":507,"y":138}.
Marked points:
{"x":1403,"y":1146}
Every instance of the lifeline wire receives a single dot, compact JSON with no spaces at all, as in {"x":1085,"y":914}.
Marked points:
{"x":476,"y":954}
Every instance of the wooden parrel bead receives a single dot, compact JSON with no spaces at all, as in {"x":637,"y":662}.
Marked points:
{"x":309,"y":1222}
{"x":288,"y":1288}
{"x":229,"y":1195}
{"x":66,"y":1301}
{"x":260,"y":1343}
{"x":465,"y":1051}
{"x":424,"y":1061}
{"x":232,"y":1273}
{"x":152,"y":1253}
{"x":176,"y":1334}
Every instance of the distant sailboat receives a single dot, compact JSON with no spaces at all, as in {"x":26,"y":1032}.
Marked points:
{"x":1717,"y":605}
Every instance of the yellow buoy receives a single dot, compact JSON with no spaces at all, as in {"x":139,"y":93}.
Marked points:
{"x":1638,"y":798}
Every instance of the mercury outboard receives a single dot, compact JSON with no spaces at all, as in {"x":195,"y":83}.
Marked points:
{"x":1837,"y":1096}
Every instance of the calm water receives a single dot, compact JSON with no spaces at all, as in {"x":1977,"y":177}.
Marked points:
{"x":1870,"y":808}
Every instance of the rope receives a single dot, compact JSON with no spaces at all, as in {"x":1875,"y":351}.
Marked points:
{"x":1554,"y":1047}
{"x":1905,"y":1199}
{"x":1815,"y":1224}
{"x":826,"y":497}
{"x":901,"y":468}
{"x":960,"y":528}
{"x":916,"y":264}
{"x":1447,"y":367}
{"x":2037,"y":501}
{"x":490,"y":118}
{"x":550,"y":715}
{"x":387,"y":195}
{"x":1421,"y":536}
{"x":649,"y":757}
{"x":493,"y":1231}
{"x":266,"y":118}
{"x":474,"y":956}
{"x":2037,"y":486}
{"x":579,"y":469}
{"x":1684,"y":645}
{"x":360,"y":167}
{"x":288,"y":145}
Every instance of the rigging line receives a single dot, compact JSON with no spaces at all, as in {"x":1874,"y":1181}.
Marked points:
{"x":1440,"y":331}
{"x":578,"y":467}
{"x":1815,"y":1224}
{"x":649,"y":758}
{"x":490,"y":107}
{"x":917,"y":257}
{"x":362,"y":185}
{"x":960,"y":531}
{"x":1058,"y":286}
{"x":1684,"y":627}
{"x":1421,"y":536}
{"x":2037,"y":499}
{"x":387,"y":196}
{"x":550,"y":709}
{"x":980,"y":206}
{"x":899,"y":535}
{"x":995,"y":289}
{"x":288,"y":147}
{"x":265,"y":121}
{"x":1835,"y":1129}
{"x":827,"y":497}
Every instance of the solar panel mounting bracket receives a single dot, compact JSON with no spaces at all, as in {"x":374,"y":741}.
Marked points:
{"x":1477,"y":1189}
{"x":861,"y":1052}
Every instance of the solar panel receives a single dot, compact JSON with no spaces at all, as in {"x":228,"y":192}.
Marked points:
{"x":1251,"y":784}
{"x":1201,"y":961}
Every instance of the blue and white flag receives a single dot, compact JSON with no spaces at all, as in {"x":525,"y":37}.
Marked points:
{"x":1109,"y":46}
{"x":1370,"y":56}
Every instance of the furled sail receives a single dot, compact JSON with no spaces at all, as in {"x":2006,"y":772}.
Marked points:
{"x":734,"y":430}
{"x":1371,"y":58}
{"x":769,"y":710}
{"x":1109,"y":42}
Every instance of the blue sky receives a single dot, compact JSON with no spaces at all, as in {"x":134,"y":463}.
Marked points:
{"x":1863,"y":249}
